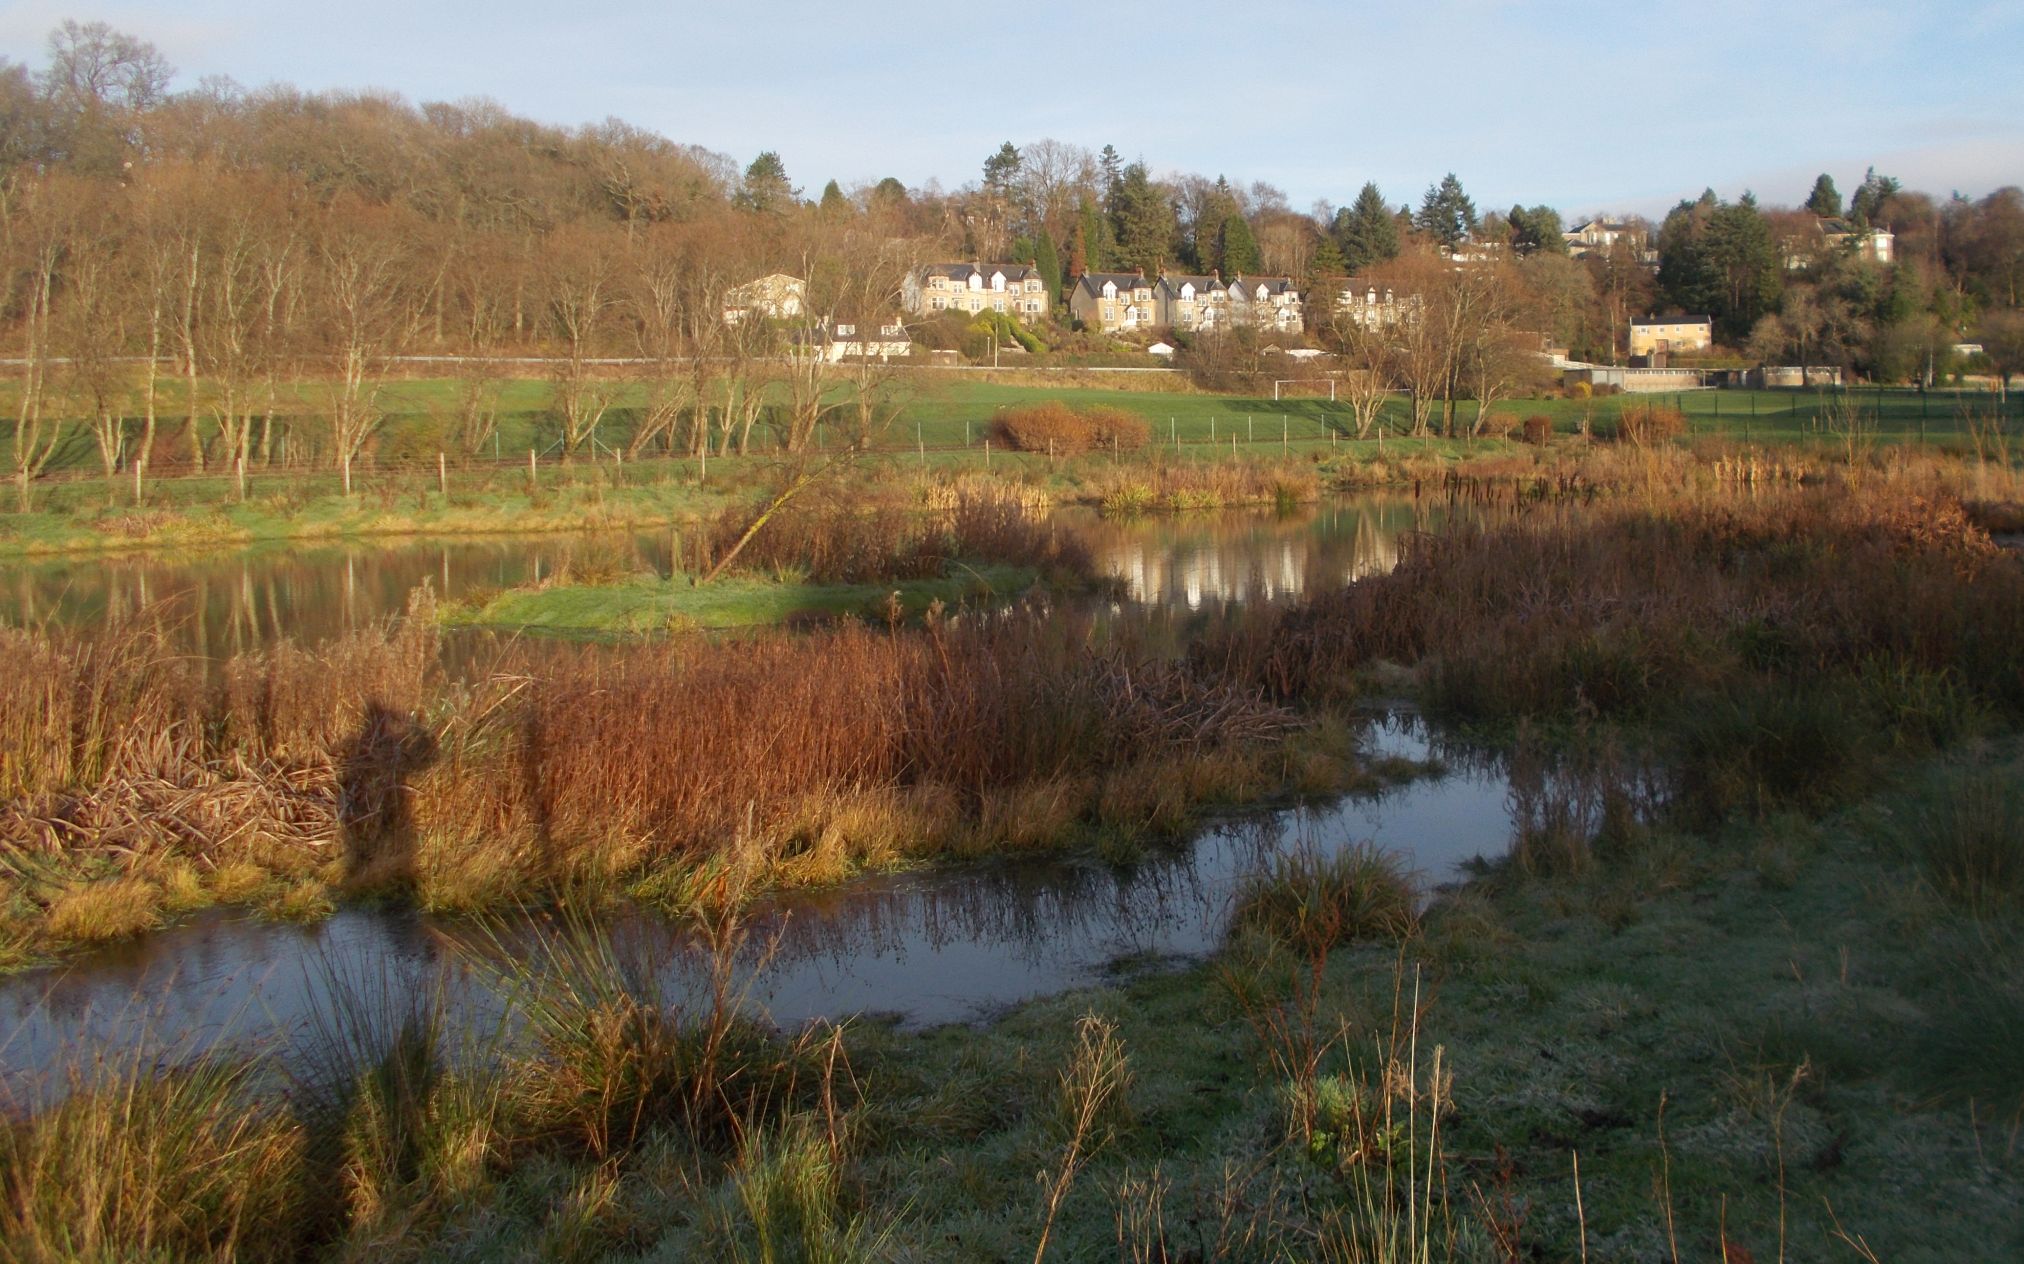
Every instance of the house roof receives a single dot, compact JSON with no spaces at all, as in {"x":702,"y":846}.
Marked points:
{"x":1671,"y":320}
{"x":1092,"y":282}
{"x":964,"y":271}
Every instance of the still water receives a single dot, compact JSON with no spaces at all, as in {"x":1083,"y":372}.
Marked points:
{"x":232,"y":601}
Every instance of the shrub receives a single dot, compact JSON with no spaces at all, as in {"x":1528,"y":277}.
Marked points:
{"x":1651,"y":423}
{"x":1538,"y":428}
{"x":1065,"y":431}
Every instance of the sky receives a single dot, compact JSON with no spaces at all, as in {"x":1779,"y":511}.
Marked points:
{"x":1586,"y":108}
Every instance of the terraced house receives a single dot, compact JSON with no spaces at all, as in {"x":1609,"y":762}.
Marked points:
{"x":1115,"y":302}
{"x":1014,"y":288}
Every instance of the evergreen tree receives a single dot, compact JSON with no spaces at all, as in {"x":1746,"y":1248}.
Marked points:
{"x":1113,"y":171}
{"x":1094,"y":237}
{"x":1236,"y":248}
{"x":1078,"y":252}
{"x":1536,"y":231}
{"x":1048,"y":261}
{"x":766,"y":185}
{"x":1825,"y":200}
{"x":889,"y":193}
{"x":1720,"y":260}
{"x":1446,"y":213}
{"x":1144,"y":221}
{"x":1866,"y":207}
{"x":1328,"y":260}
{"x":1001,"y":170}
{"x":833,"y":201}
{"x":1365,"y":232}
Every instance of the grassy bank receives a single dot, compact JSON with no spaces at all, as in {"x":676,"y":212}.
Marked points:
{"x":1784,"y":1038}
{"x":942,"y":436}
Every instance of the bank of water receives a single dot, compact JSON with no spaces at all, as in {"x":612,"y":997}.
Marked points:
{"x":949,"y":944}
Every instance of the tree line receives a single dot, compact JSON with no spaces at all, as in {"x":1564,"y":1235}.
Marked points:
{"x":174,"y":263}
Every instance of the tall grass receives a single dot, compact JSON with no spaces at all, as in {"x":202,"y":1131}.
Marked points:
{"x":1799,"y":634}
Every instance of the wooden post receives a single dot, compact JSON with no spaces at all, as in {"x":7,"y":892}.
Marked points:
{"x":533,"y":474}
{"x":239,"y":467}
{"x":442,"y":475}
{"x":987,"y":452}
{"x":1285,"y":436}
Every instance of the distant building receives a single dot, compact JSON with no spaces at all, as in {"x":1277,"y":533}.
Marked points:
{"x":776,"y":297}
{"x":1115,"y":302}
{"x":1367,"y":307}
{"x":1670,"y":335}
{"x":1828,"y":237}
{"x":1877,"y":245}
{"x":1204,"y":303}
{"x":1014,"y":288}
{"x":841,"y":340}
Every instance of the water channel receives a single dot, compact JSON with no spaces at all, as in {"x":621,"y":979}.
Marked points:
{"x":946,"y":944}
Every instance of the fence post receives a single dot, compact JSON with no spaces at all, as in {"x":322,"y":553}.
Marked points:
{"x":533,"y":473}
{"x":442,"y":475}
{"x":239,"y":468}
{"x":987,"y":452}
{"x":1285,"y":436}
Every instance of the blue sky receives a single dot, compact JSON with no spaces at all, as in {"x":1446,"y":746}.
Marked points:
{"x":1585,"y":107}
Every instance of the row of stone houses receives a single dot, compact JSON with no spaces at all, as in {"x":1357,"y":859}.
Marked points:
{"x":1122,"y":302}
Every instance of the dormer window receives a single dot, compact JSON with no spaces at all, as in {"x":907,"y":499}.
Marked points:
{"x":1110,"y":289}
{"x":976,"y":282}
{"x":997,"y":280}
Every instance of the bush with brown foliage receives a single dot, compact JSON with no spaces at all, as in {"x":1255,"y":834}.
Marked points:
{"x":1056,"y":428}
{"x":1538,"y":429}
{"x":1650,"y":423}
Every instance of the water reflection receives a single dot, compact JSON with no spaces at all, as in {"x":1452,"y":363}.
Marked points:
{"x":1203,"y":561}
{"x":228,"y":603}
{"x":945,"y":945}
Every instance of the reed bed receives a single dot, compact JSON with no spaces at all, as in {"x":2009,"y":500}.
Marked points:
{"x":804,"y":757}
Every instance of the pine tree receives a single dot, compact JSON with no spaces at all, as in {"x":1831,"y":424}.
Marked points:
{"x":1446,"y":213}
{"x":833,"y":201}
{"x":1001,"y":169}
{"x":1825,"y":200}
{"x":1328,"y":260}
{"x":766,"y":185}
{"x":1144,"y":221}
{"x":1113,"y":171}
{"x":1236,"y":248}
{"x":1365,"y":232}
{"x":1048,"y":261}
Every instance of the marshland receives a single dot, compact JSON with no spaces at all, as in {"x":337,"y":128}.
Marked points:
{"x":1325,"y":880}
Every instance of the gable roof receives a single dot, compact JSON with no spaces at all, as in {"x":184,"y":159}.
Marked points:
{"x":964,"y":271}
{"x":1671,"y":320}
{"x":1092,"y":282}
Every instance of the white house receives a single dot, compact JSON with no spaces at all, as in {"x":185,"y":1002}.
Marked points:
{"x":841,"y":341}
{"x":777,"y":297}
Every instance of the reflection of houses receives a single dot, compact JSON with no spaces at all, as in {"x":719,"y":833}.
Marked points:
{"x":841,"y":340}
{"x":1248,"y":566}
{"x":1192,"y":303}
{"x":1670,"y":335}
{"x":1115,"y":302}
{"x":1013,"y":288}
{"x":778,"y":297}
